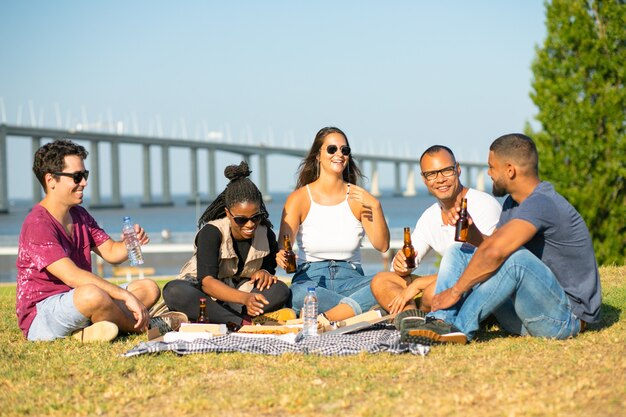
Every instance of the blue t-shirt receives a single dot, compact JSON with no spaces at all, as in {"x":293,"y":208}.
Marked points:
{"x":563,"y":243}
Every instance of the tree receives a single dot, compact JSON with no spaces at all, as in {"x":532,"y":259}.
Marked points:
{"x":579,"y":89}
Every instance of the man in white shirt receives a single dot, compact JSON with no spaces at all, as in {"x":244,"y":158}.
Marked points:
{"x":396,"y":290}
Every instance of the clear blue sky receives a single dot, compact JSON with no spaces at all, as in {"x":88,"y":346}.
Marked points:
{"x":396,"y":76}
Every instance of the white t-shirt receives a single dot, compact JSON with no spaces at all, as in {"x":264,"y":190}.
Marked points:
{"x":431,"y":233}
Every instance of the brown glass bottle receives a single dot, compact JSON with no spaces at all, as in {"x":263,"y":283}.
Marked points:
{"x":202,"y":315}
{"x":290,"y":268}
{"x":462,"y":225}
{"x":408,"y":250}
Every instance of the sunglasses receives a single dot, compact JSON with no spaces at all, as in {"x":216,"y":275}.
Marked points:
{"x":332,"y":149}
{"x":76,"y":176}
{"x":243,"y":220}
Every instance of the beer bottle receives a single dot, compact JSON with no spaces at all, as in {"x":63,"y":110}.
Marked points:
{"x":202,"y":315}
{"x":408,"y":250}
{"x":462,"y":225}
{"x":290,"y":268}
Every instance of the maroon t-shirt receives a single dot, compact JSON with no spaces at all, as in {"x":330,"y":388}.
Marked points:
{"x":43,"y":241}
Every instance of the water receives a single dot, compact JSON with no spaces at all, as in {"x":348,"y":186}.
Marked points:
{"x":178,"y":224}
{"x":309,"y":314}
{"x":132,"y":243}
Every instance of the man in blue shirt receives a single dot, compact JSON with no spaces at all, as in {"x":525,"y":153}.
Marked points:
{"x":537,"y":273}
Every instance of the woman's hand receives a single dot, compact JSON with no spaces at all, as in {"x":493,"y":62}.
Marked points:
{"x":368,"y":201}
{"x":281,"y":258}
{"x":254,"y":303}
{"x":371,"y":216}
{"x":263,"y":279}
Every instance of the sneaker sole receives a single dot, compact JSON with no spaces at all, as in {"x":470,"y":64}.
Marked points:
{"x":410,"y":323}
{"x":397,"y":322}
{"x":429,"y":337}
{"x":102,"y":331}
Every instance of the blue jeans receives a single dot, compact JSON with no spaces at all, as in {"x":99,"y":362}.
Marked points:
{"x":523,"y":294}
{"x":335,"y":282}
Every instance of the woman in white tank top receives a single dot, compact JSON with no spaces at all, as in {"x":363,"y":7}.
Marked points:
{"x":328,"y":215}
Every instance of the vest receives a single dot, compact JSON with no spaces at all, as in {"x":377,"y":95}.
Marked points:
{"x":259,"y":249}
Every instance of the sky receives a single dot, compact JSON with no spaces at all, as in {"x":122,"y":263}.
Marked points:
{"x":396,"y":76}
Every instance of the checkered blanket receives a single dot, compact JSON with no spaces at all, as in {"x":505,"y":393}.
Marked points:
{"x":380,"y":338}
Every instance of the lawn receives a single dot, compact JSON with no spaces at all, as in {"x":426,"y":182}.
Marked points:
{"x":495,"y":375}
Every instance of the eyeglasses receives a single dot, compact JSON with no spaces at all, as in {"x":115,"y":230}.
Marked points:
{"x":76,"y":176}
{"x":332,"y":149}
{"x":243,"y":220}
{"x":445,"y":172}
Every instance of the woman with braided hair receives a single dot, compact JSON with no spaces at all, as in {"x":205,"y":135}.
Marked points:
{"x":236,"y":259}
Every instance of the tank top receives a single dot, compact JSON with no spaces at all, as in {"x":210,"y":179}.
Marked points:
{"x":329,"y":232}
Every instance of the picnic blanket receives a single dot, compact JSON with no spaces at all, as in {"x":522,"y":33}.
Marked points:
{"x":380,"y":338}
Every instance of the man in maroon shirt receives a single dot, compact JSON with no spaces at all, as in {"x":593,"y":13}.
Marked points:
{"x":57,"y":294}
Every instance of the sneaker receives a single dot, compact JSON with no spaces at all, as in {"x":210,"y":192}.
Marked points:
{"x":102,"y":331}
{"x":415,"y":315}
{"x":433,"y":331}
{"x":275,"y":317}
{"x":168,"y":322}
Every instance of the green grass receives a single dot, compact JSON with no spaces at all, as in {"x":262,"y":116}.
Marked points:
{"x":493,"y":376}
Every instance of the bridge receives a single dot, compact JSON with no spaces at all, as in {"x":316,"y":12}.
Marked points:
{"x":37,"y":134}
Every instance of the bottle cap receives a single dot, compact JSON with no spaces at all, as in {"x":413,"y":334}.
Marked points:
{"x":126,"y":218}
{"x":310,"y":289}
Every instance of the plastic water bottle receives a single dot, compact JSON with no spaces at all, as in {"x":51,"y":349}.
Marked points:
{"x":309,"y":314}
{"x":132,"y":243}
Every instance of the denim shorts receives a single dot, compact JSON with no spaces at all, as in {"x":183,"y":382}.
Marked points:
{"x":57,"y":317}
{"x":335,"y":282}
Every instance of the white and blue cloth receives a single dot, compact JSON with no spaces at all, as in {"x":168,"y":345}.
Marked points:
{"x":379,"y":338}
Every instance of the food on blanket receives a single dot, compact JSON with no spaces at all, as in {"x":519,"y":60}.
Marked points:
{"x":215,"y":329}
{"x":277,"y":330}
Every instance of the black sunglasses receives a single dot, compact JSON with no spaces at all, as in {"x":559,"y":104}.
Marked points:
{"x":76,"y":176}
{"x":243,"y":220}
{"x":332,"y":149}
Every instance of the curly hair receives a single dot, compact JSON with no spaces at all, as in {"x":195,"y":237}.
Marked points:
{"x":308,"y":170}
{"x":240,"y":189}
{"x":51,"y":158}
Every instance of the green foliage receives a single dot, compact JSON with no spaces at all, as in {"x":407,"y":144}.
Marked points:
{"x":578,"y":86}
